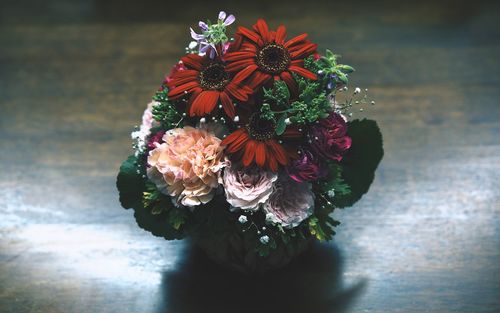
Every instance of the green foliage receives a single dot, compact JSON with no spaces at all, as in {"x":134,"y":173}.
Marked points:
{"x":216,"y":33}
{"x":150,"y":206}
{"x":321,"y":226}
{"x":334,"y":185}
{"x":312,"y":104}
{"x":130,"y":183}
{"x":361,"y":160}
{"x":278,"y":95}
{"x":281,"y":124}
{"x":331,"y":73}
{"x":266,"y":112}
{"x":164,"y":111}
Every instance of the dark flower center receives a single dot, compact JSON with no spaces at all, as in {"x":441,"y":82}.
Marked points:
{"x":213,"y":77}
{"x":260,"y":128}
{"x":273,"y":58}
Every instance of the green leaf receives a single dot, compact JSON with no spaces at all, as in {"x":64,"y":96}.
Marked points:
{"x":132,"y":189}
{"x":177,"y":217}
{"x":281,"y":125}
{"x":345,"y":68}
{"x":130,"y":183}
{"x":342,"y":77}
{"x":361,"y":160}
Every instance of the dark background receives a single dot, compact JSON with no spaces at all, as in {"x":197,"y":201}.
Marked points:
{"x":75,"y":77}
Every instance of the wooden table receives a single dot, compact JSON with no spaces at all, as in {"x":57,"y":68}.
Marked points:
{"x":75,"y":77}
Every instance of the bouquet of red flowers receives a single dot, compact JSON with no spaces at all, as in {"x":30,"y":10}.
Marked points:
{"x":247,"y":146}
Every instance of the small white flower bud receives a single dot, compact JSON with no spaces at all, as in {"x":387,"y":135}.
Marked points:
{"x":242,"y":219}
{"x":264,"y":239}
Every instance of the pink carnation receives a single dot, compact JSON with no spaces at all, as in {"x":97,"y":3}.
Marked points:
{"x":247,"y":187}
{"x":186,"y":165}
{"x":290,"y":203}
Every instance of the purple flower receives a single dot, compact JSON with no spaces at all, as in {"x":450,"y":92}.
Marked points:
{"x":226,"y":20}
{"x":212,"y":34}
{"x":154,"y":139}
{"x":306,"y":168}
{"x":328,"y":137}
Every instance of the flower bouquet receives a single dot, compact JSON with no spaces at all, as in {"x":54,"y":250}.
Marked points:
{"x":248,"y":147}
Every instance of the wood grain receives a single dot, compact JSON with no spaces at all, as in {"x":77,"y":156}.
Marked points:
{"x":75,"y":77}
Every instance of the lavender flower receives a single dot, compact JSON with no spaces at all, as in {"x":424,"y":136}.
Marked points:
{"x":213,"y":34}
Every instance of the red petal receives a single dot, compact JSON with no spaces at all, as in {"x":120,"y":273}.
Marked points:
{"x":304,"y":51}
{"x":236,"y":44}
{"x":177,"y":81}
{"x":260,"y":154}
{"x":238,"y":143}
{"x":280,"y":35}
{"x":239,"y":93}
{"x":249,"y":154}
{"x":253,"y":36}
{"x":227,"y":104}
{"x":263,"y":29}
{"x":192,"y":61}
{"x":303,"y":72}
{"x":244,"y":73}
{"x":238,"y":56}
{"x":278,"y":152}
{"x":204,"y":103}
{"x":232,"y":137}
{"x":271,"y":161}
{"x":258,"y":79}
{"x":185,"y":73}
{"x":295,"y":40}
{"x":299,"y":62}
{"x":238,"y":65}
{"x":178,"y":90}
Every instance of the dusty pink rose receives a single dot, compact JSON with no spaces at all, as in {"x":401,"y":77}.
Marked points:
{"x":187,"y":165}
{"x":290,"y":203}
{"x":247,"y":187}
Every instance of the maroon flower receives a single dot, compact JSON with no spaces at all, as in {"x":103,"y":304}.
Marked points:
{"x":155,"y":138}
{"x":328,"y":137}
{"x":306,"y":167}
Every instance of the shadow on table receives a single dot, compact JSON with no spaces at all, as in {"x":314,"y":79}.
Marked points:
{"x":310,"y":284}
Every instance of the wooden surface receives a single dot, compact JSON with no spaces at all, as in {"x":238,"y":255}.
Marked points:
{"x":76,"y":75}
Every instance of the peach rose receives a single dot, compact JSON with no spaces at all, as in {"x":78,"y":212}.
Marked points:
{"x":186,"y":165}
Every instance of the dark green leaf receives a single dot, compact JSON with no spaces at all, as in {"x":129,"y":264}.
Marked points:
{"x":281,"y":125}
{"x":130,"y":183}
{"x":361,"y":161}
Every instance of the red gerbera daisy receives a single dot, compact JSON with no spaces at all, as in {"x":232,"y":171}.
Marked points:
{"x":208,"y":82}
{"x":264,"y":55}
{"x":257,"y":142}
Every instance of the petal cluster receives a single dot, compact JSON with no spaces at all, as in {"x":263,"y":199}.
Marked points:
{"x":290,"y":203}
{"x":187,"y":165}
{"x":247,"y":188}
